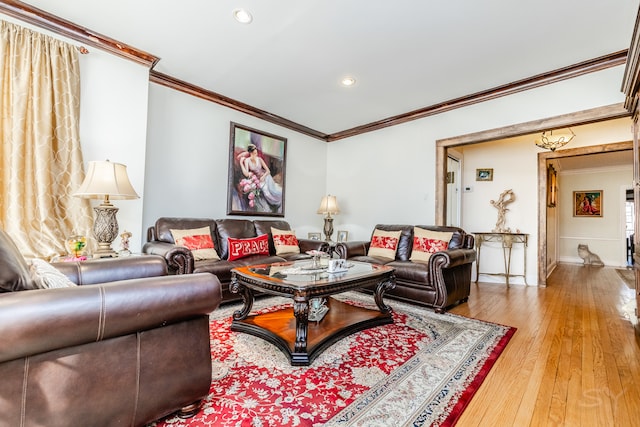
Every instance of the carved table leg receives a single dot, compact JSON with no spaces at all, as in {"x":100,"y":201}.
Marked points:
{"x":381,"y":288}
{"x":301,"y":312}
{"x":247,"y":297}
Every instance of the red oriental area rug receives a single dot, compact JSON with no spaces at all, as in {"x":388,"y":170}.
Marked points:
{"x":421,"y":370}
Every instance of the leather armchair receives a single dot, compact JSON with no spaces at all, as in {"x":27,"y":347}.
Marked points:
{"x":127,"y":346}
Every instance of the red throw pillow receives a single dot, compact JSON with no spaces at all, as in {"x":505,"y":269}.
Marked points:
{"x":198,"y":241}
{"x":384,"y":244}
{"x":424,"y":244}
{"x":240,"y":248}
{"x":427,"y":242}
{"x":285,"y":239}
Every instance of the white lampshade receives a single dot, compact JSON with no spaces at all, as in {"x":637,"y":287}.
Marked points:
{"x":108,"y":180}
{"x":329,"y":205}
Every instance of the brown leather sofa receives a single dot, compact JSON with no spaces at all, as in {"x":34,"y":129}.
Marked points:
{"x":444,"y":281}
{"x":128,"y":346}
{"x":180,"y":260}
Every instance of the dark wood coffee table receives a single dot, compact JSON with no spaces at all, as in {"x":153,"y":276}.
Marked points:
{"x":290,"y":329}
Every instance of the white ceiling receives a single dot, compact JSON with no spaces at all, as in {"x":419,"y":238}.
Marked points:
{"x":595,"y":161}
{"x":405,"y":54}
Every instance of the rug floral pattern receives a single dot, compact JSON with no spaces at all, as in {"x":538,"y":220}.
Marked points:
{"x":420,"y":370}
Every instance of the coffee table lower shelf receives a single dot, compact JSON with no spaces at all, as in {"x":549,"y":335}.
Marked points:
{"x":279,"y":328}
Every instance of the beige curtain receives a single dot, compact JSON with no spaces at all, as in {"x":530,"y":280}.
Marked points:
{"x":41,"y":160}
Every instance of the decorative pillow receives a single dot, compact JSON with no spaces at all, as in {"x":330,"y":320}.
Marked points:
{"x":427,"y":242}
{"x":240,"y":248}
{"x":45,"y":276}
{"x":198,"y":241}
{"x":384,"y":244}
{"x":285,"y":241}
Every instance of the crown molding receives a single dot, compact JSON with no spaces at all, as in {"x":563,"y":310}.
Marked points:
{"x":57,"y":25}
{"x":569,"y":72}
{"x":45,"y":20}
{"x":191,"y":89}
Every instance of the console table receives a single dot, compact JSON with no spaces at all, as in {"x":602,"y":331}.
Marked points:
{"x":507,"y":240}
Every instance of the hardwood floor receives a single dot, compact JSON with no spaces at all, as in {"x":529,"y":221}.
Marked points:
{"x":574,"y":360}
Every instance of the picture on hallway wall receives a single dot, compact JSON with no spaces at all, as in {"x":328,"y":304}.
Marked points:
{"x":484,"y":174}
{"x":552,"y":187}
{"x":587,"y":203}
{"x":257,"y":163}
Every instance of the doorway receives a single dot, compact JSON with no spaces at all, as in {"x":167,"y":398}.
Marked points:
{"x":611,"y":112}
{"x":454,"y":179}
{"x":629,"y":222}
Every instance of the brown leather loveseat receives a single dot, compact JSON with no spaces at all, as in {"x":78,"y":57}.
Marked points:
{"x":180,"y":260}
{"x":439,"y":283}
{"x":128,"y":346}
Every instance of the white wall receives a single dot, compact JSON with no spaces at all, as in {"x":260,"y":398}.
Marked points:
{"x":113,"y":120}
{"x":188,"y":158}
{"x":388,"y":176}
{"x":604,"y":235}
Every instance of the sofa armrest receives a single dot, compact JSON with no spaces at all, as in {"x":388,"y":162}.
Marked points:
{"x":179,"y":259}
{"x":346,"y":250}
{"x":452,"y":258}
{"x":112,"y":269}
{"x":43,"y":320}
{"x":313,"y":245}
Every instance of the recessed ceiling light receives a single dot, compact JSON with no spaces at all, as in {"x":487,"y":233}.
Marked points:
{"x":348,"y":81}
{"x":243,"y":16}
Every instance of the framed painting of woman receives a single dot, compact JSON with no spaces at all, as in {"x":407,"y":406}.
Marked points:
{"x":587,"y":203}
{"x":257,"y":164}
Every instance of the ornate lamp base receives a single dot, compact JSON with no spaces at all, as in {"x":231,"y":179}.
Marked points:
{"x":105,"y":229}
{"x":328,"y":228}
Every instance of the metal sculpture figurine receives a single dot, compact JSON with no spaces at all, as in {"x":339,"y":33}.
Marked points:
{"x":506,"y":197}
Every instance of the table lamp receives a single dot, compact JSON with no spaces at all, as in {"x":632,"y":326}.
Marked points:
{"x":328,"y":206}
{"x":106,"y":180}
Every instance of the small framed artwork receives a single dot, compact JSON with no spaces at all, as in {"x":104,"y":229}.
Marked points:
{"x":484,"y":174}
{"x":587,"y":203}
{"x":552,"y":187}
{"x":314,"y":236}
{"x":257,"y":164}
{"x":343,"y":236}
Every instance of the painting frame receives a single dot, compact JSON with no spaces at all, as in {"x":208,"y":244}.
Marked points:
{"x":552,"y":187}
{"x":343,"y":236}
{"x":247,"y":192}
{"x":314,"y":236}
{"x":588,"y":203}
{"x":484,"y":174}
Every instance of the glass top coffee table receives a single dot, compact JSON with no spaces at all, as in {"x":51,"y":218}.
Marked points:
{"x":291,"y":329}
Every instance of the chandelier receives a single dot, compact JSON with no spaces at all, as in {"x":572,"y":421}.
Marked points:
{"x":551,"y":140}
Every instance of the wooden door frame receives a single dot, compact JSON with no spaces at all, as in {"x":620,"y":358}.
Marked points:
{"x":594,"y":115}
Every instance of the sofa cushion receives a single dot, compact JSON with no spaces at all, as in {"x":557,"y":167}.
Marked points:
{"x":412,"y":272}
{"x":235,"y":228}
{"x":14,"y":270}
{"x":427,"y":242}
{"x":198,"y":241}
{"x":384,"y":244}
{"x":285,"y":241}
{"x":241,"y":248}
{"x":46,"y":276}
{"x":222,"y":269}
